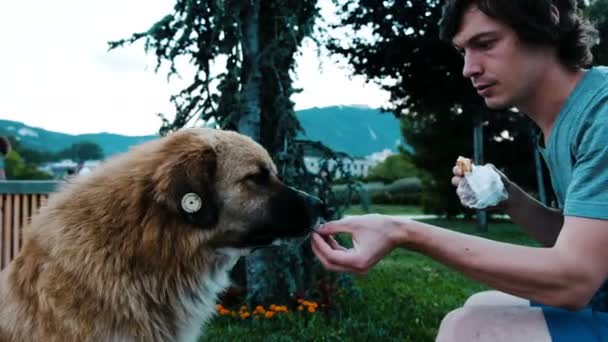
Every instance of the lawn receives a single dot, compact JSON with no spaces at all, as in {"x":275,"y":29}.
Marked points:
{"x":402,"y":299}
{"x":385,"y":209}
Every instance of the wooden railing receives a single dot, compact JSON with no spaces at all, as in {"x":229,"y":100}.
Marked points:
{"x":19,"y":200}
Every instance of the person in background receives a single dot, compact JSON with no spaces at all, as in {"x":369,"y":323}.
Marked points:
{"x":5,"y":148}
{"x":533,"y":55}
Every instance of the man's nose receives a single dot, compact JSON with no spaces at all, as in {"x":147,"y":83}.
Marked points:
{"x":472,"y":66}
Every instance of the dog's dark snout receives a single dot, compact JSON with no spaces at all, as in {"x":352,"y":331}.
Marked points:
{"x":317,"y":206}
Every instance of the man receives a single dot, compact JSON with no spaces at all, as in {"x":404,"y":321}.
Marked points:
{"x":532,"y":55}
{"x":5,"y":148}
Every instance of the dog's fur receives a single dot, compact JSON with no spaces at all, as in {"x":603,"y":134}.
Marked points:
{"x":114,"y":257}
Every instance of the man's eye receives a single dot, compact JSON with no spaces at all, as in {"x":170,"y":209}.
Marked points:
{"x":485,"y":45}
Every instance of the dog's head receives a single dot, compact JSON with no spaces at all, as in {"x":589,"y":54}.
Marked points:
{"x":225,"y":184}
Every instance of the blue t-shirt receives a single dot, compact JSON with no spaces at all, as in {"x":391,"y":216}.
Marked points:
{"x":577,"y":155}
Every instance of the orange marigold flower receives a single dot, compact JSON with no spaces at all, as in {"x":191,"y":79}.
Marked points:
{"x":269,"y":314}
{"x":300,"y":308}
{"x":310,"y":303}
{"x":311,"y":309}
{"x":280,"y":308}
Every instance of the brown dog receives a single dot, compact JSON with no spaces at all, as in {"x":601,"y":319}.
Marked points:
{"x":139,"y":249}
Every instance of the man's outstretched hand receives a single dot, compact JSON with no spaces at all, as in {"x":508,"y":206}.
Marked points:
{"x":373,"y":236}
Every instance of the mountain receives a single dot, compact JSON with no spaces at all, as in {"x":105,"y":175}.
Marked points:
{"x":356,"y":130}
{"x":41,"y":139}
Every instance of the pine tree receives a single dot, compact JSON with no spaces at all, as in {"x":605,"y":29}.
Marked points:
{"x":255,"y":41}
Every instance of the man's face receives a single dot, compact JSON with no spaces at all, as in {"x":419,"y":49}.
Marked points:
{"x":503,"y":69}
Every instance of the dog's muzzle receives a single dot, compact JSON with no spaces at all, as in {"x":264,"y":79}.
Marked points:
{"x":318,"y":210}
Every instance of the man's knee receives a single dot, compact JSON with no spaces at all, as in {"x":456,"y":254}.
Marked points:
{"x":481,"y":298}
{"x":453,"y":324}
{"x":495,"y":298}
{"x":493,"y":323}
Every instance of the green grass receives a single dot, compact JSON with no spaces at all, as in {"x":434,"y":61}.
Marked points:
{"x":403,"y":298}
{"x":385,"y":209}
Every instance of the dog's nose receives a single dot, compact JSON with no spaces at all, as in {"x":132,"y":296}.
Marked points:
{"x":314,"y":203}
{"x":318,"y":207}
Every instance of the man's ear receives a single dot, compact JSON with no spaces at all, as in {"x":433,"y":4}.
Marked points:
{"x":185,"y":183}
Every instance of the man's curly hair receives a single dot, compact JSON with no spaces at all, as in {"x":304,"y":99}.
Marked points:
{"x":532,"y":20}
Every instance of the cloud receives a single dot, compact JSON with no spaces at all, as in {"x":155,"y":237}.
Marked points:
{"x":57,"y":73}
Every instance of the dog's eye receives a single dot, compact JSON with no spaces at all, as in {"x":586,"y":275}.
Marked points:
{"x":260,"y":178}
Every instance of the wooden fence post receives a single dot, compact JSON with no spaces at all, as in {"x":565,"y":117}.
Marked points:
{"x":19,"y":200}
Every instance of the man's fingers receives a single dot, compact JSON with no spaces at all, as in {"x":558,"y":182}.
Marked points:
{"x":316,"y":241}
{"x":328,"y":239}
{"x":456,"y":180}
{"x":338,"y":257}
{"x":457,"y":171}
{"x":331,"y":267}
{"x":334,"y":244}
{"x":334,"y":227}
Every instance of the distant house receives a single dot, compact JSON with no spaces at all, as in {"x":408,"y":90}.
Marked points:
{"x":315,"y":154}
{"x":68,"y":166}
{"x":356,"y":167}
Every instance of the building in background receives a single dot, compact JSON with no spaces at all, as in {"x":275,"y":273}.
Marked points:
{"x":356,"y":167}
{"x":68,"y":167}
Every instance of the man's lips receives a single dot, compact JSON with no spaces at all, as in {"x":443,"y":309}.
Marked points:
{"x":484,"y":89}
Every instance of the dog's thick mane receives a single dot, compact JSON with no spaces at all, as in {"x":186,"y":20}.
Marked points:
{"x":141,"y":308}
{"x":151,"y":291}
{"x":140,"y":248}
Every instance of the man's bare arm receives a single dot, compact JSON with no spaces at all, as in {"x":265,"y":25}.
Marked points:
{"x":541,"y":222}
{"x":565,"y":275}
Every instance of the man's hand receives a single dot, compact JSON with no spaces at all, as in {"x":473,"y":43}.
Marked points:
{"x":374,"y":236}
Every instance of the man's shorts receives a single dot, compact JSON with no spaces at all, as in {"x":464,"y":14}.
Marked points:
{"x":584,"y":325}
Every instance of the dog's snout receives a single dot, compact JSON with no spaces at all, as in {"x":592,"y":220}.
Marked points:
{"x":317,"y":206}
{"x":313,"y":202}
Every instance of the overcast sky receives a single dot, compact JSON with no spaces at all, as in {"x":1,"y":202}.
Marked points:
{"x":56,"y":72}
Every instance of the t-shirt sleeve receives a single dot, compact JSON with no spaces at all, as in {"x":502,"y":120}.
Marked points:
{"x":587,"y":194}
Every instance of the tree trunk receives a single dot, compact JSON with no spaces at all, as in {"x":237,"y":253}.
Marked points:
{"x":259,"y":288}
{"x":251,"y":77}
{"x":538,"y":167}
{"x":482,"y":216}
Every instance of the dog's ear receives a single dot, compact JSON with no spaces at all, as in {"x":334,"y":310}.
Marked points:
{"x":185,"y":180}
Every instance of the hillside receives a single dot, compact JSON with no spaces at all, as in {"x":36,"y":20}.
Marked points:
{"x":41,"y":139}
{"x":358,"y":131}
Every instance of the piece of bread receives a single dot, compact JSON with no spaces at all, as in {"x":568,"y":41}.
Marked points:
{"x":465,"y":164}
